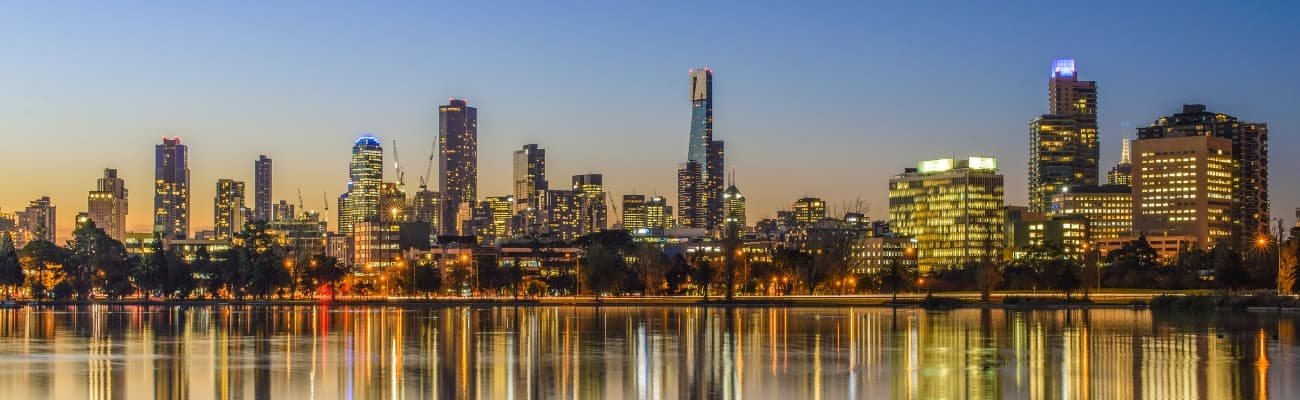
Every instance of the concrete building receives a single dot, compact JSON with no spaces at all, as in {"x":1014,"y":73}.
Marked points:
{"x":633,"y":219}
{"x":954,"y":208}
{"x":1250,"y":210}
{"x":733,"y":208}
{"x":594,"y":213}
{"x":1108,"y":209}
{"x":36,"y":222}
{"x":1122,"y":173}
{"x":228,"y":209}
{"x":870,"y":255}
{"x":809,"y":210}
{"x":1183,"y":186}
{"x":107,"y":205}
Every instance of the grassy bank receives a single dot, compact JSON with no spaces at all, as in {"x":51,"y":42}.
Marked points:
{"x":1214,"y":302}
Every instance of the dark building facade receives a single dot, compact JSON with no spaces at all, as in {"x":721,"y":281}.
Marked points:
{"x":457,"y":161}
{"x":171,"y":199}
{"x":262,"y":189}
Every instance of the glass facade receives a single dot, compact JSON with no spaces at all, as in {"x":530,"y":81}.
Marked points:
{"x":700,"y":179}
{"x":1063,"y":149}
{"x":365,"y":176}
{"x":955,"y":215}
{"x":457,"y":161}
{"x":1108,"y":209}
{"x":228,"y":209}
{"x":262,"y":207}
{"x":171,"y":201}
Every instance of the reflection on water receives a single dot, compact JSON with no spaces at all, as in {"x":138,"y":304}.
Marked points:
{"x":116,"y":352}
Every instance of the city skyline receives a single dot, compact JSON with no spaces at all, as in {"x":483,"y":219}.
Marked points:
{"x":848,"y":159}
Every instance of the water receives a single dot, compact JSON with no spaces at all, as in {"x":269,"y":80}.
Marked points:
{"x":219,"y":352}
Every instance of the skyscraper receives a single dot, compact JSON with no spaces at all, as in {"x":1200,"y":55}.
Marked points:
{"x":1183,"y":186}
{"x":227,"y":210}
{"x":171,"y":197}
{"x":809,"y":210}
{"x":262,"y":189}
{"x":593,"y":214}
{"x":1122,"y":173}
{"x":1063,"y":148}
{"x":365,"y":176}
{"x":634,"y":214}
{"x":36,"y":222}
{"x":107,"y":205}
{"x":530,"y":176}
{"x":1249,"y":172}
{"x":658,"y":214}
{"x":700,"y":179}
{"x":562,"y":214}
{"x":733,"y":204}
{"x":953,"y":208}
{"x":457,"y":161}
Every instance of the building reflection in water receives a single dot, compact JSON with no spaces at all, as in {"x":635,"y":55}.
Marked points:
{"x":229,"y":352}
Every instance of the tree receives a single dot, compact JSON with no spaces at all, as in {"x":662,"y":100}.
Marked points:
{"x":894,"y":278}
{"x":45,"y":261}
{"x":427,"y":278}
{"x":1286,"y":265}
{"x":651,"y":267}
{"x":603,"y":269}
{"x":1230,"y":272}
{"x":261,"y":255}
{"x":11,"y":271}
{"x":1067,"y":279}
{"x":327,"y":272}
{"x":703,"y":277}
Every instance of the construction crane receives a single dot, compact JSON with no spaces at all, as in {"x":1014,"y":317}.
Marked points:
{"x":424,"y":180}
{"x":325,"y":199}
{"x":302,"y":209}
{"x":397,"y":163}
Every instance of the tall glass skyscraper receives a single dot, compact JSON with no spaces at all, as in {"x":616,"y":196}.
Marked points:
{"x":171,"y":197}
{"x":529,"y":176}
{"x":457,"y":161}
{"x":700,"y":178}
{"x":365,"y":174}
{"x":262,"y":189}
{"x":1063,"y":148}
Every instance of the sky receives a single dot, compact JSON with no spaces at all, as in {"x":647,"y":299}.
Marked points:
{"x":826,"y":99}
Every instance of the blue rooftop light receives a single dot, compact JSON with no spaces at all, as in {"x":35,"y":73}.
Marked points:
{"x":1063,"y":68}
{"x":367,"y":139}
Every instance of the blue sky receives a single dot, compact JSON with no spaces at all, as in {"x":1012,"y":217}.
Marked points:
{"x":825,"y":99}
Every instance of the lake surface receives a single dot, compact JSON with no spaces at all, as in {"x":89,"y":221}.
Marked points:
{"x":544,"y":352}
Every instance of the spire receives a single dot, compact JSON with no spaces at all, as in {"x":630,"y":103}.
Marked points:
{"x":1124,"y":151}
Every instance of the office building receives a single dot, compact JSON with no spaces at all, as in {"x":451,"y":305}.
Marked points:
{"x":262,"y":208}
{"x":228,"y":207}
{"x":658,"y":214}
{"x":36,"y":222}
{"x":593,"y":214}
{"x":873,"y":254}
{"x":107,"y":205}
{"x":529,"y":176}
{"x":365,"y":177}
{"x":1250,"y":209}
{"x":1183,"y":186}
{"x":1028,"y":230}
{"x":562,"y":214}
{"x":499,"y":210}
{"x":808,"y":211}
{"x":283,"y":211}
{"x":1108,"y":209}
{"x":700,"y":179}
{"x":425,"y":207}
{"x":1063,"y":149}
{"x":171,"y":197}
{"x":457,"y":162}
{"x":954,"y":209}
{"x":634,"y":214}
{"x":733,"y":208}
{"x":1122,"y":173}
{"x":375,"y":245}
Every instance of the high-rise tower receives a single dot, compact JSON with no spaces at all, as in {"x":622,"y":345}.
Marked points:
{"x":107,"y":205}
{"x":1249,"y":171}
{"x":171,"y":197}
{"x":1122,"y":173}
{"x":593,"y":214}
{"x":457,"y":162}
{"x":530,"y":176}
{"x":228,"y":208}
{"x":262,"y":189}
{"x":1063,"y":143}
{"x":700,"y":179}
{"x":365,"y":175}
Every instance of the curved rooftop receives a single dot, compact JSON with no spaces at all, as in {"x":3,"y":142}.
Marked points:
{"x":368,"y":140}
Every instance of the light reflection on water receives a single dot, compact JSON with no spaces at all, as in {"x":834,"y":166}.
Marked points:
{"x":112,"y":352}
